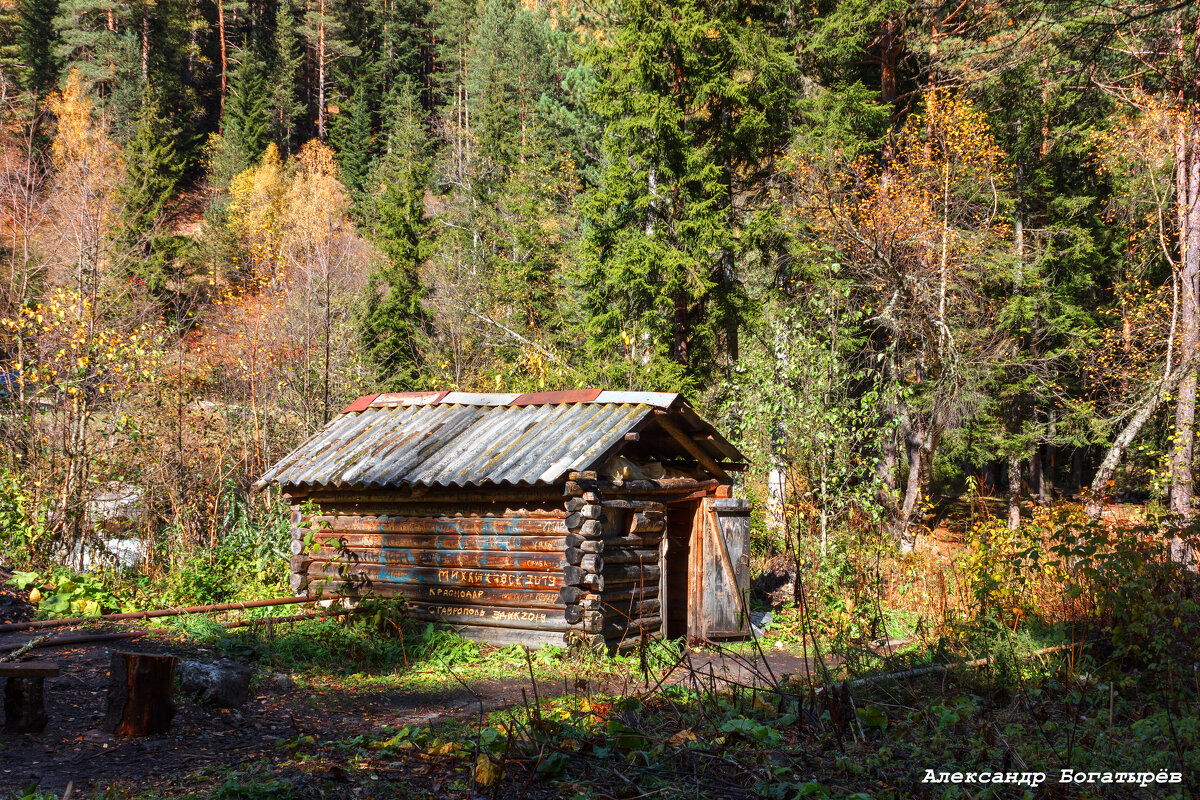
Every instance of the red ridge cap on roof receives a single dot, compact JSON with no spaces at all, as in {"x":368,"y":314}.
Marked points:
{"x":361,"y":404}
{"x":556,"y":398}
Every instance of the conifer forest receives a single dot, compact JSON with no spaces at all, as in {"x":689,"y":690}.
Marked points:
{"x":933,"y":268}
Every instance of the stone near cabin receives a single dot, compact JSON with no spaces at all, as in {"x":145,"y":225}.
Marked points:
{"x":224,"y":683}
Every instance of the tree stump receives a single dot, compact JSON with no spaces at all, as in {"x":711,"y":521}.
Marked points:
{"x":141,"y":691}
{"x":24,"y":696}
{"x":24,"y":706}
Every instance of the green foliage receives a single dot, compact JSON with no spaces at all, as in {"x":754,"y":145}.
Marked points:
{"x":35,"y":35}
{"x":152,"y":175}
{"x":246,"y":129}
{"x":393,"y":323}
{"x":19,"y":530}
{"x":65,"y":593}
{"x":657,"y":265}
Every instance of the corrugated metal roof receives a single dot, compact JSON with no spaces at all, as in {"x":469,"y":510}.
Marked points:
{"x":464,"y":439}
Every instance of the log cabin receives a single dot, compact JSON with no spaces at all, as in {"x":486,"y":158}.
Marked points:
{"x":586,"y":517}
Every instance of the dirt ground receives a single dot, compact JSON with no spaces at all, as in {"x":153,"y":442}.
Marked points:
{"x":73,"y":749}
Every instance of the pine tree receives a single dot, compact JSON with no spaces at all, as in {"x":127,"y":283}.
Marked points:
{"x":325,"y":32}
{"x":95,"y":37}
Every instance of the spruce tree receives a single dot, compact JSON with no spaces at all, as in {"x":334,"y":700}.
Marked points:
{"x":152,"y":174}
{"x":393,"y":324}
{"x":287,"y":60}
{"x":351,"y":136}
{"x":247,"y":120}
{"x":692,"y":94}
{"x":35,"y":35}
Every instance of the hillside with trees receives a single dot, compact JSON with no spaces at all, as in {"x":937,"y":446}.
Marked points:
{"x":935,"y":267}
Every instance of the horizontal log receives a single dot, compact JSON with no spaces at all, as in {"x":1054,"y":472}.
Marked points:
{"x":636,"y":541}
{"x":630,"y":609}
{"x":618,"y":594}
{"x":467,"y":559}
{"x":591,"y":497}
{"x":592,"y":512}
{"x":527,"y":598}
{"x":615,"y":573}
{"x":643,"y":522}
{"x":591,"y":528}
{"x":574,"y":504}
{"x":625,"y":555}
{"x":523,"y":618}
{"x":653,"y":487}
{"x":29,"y":669}
{"x":445,"y":576}
{"x":479,"y":526}
{"x":573,"y":521}
{"x":592,"y":562}
{"x":574,"y":614}
{"x":298,"y":582}
{"x":434,"y":541}
{"x":634,"y":505}
{"x":574,"y":540}
{"x":632,"y":627}
{"x":299,"y":563}
{"x":623,"y":644}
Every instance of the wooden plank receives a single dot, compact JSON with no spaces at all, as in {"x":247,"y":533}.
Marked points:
{"x":507,"y":636}
{"x":468,"y":559}
{"x":29,"y":669}
{"x":528,"y":598}
{"x":632,"y":628}
{"x":619,"y":555}
{"x":434,"y":541}
{"x":523,"y":618}
{"x":454,"y":526}
{"x":444,"y":576}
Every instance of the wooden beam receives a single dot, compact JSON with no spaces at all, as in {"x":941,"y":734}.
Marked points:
{"x":690,"y":445}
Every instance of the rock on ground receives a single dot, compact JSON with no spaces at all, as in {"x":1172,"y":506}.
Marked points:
{"x":223,"y":683}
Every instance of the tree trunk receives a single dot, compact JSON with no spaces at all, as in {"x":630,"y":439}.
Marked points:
{"x":1036,"y":485}
{"x":1187,"y":194}
{"x":224,"y":55}
{"x":321,"y":75}
{"x":1014,"y":493}
{"x":1141,"y":415}
{"x":140,"y":694}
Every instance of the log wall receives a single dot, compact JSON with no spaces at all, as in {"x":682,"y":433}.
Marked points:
{"x":541,"y":568}
{"x":493,"y":570}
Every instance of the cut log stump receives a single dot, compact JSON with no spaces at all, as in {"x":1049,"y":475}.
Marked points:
{"x":141,"y":691}
{"x":24,"y":695}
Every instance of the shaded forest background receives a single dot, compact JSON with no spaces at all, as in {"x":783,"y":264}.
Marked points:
{"x":898,"y":250}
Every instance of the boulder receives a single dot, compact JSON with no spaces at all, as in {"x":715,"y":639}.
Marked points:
{"x":776,"y":584}
{"x":223,"y":683}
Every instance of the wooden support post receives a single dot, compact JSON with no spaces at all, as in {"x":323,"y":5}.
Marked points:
{"x":140,"y":694}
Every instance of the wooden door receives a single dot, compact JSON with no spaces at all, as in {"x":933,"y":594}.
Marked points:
{"x":721,"y":580}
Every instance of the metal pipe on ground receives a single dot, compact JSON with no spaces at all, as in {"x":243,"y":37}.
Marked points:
{"x":88,"y":638}
{"x":12,"y":627}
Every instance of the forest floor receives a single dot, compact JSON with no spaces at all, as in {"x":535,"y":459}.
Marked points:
{"x":288,"y":710}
